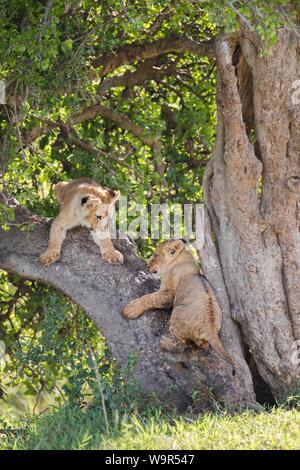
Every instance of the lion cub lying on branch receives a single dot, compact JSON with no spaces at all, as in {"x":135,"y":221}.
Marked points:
{"x":196,"y":315}
{"x":83,"y":202}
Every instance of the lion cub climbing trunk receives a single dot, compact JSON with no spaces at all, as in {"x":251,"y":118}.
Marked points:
{"x":196,"y":315}
{"x":83,"y":202}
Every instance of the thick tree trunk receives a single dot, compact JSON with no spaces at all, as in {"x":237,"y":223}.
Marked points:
{"x":253,"y":196}
{"x":102,"y":290}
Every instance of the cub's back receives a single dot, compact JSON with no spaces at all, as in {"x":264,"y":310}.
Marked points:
{"x":190,"y":290}
{"x":195,"y":294}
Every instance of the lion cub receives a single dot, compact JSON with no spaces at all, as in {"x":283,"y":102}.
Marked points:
{"x":196,"y":315}
{"x":82,"y":202}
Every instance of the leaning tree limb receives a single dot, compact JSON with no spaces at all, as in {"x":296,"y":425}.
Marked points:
{"x":102,"y":290}
{"x":137,"y":51}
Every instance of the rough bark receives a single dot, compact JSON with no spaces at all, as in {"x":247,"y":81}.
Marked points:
{"x":252,"y":195}
{"x":102,"y":290}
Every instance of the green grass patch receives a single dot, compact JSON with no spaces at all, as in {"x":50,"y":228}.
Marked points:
{"x":76,"y":428}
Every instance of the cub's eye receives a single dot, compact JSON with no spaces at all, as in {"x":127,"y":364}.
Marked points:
{"x":84,"y":199}
{"x":172,"y":252}
{"x":99,"y":217}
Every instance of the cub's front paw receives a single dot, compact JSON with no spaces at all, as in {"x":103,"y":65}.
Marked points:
{"x":113,"y":257}
{"x":132,"y":310}
{"x":49,"y":257}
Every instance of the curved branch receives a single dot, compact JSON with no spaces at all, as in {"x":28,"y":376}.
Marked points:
{"x":102,"y":290}
{"x":125,"y":123}
{"x":136,"y":51}
{"x":100,"y":110}
{"x":147,"y":70}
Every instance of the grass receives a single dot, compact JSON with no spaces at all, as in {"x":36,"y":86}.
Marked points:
{"x":76,"y":428}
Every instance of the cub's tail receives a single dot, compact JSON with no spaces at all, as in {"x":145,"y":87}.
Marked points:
{"x":58,"y":190}
{"x":216,"y":344}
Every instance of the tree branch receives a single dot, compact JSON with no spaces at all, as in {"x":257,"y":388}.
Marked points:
{"x":136,"y":51}
{"x":147,"y":70}
{"x":125,"y":123}
{"x":89,"y":148}
{"x":102,"y":290}
{"x":100,"y":110}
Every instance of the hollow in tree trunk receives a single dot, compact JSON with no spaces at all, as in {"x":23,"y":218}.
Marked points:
{"x":252,"y":193}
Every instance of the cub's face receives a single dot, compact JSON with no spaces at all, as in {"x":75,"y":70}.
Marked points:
{"x":164,"y":256}
{"x":95,"y":209}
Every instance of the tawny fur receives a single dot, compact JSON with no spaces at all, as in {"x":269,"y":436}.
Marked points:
{"x":82,"y":202}
{"x":196,"y":315}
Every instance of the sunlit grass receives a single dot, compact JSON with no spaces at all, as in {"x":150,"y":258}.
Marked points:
{"x":75,"y":428}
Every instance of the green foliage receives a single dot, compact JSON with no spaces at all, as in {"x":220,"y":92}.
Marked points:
{"x":257,"y":16}
{"x":7,"y":215}
{"x":50,"y":344}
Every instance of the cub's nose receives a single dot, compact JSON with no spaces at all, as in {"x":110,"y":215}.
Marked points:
{"x":152,"y":270}
{"x":94,"y":227}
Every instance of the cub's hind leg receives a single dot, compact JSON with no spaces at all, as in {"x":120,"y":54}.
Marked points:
{"x":202,"y":344}
{"x":172,"y":344}
{"x":56,"y":237}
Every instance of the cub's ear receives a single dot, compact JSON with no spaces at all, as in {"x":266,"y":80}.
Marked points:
{"x":84,"y":200}
{"x":176,"y":247}
{"x":113,"y":195}
{"x":58,"y":190}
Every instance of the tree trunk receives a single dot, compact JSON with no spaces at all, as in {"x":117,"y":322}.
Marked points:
{"x":253,"y":195}
{"x":102,"y":290}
